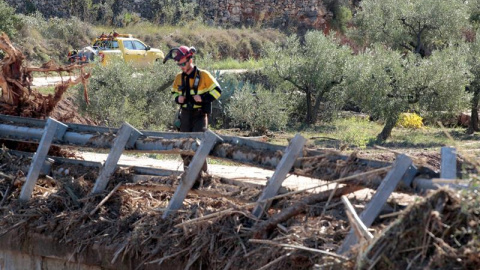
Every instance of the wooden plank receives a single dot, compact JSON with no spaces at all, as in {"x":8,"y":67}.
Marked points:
{"x":53,"y":129}
{"x":448,"y":166}
{"x":284,"y":166}
{"x":375,"y":205}
{"x":192,"y":172}
{"x":108,"y":168}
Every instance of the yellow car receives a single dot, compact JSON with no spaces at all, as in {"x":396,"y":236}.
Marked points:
{"x":107,"y":47}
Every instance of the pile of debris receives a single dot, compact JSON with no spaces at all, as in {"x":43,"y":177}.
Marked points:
{"x":213,"y":230}
{"x":439,"y":232}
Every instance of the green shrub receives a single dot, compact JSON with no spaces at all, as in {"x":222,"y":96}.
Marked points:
{"x":119,"y":93}
{"x":54,"y":37}
{"x":254,"y":107}
{"x":126,"y":18}
{"x":342,"y":15}
{"x":177,"y":12}
{"x":9,"y":21}
{"x":355,"y":132}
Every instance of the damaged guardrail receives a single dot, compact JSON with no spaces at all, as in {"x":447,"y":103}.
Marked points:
{"x":235,"y":149}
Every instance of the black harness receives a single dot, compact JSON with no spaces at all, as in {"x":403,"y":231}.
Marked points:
{"x":186,"y":87}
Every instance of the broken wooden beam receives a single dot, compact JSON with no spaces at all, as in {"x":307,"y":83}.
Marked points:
{"x":361,"y":231}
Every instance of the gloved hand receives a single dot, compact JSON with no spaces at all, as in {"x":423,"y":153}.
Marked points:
{"x":197,"y":98}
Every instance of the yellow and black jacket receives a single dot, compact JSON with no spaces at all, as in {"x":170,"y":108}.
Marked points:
{"x":199,"y":82}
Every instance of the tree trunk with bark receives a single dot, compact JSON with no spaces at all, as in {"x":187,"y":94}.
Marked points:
{"x":387,"y":129}
{"x":316,"y":107}
{"x":309,"y":107}
{"x":473,"y":126}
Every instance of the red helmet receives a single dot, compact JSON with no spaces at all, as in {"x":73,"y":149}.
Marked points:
{"x":179,"y":53}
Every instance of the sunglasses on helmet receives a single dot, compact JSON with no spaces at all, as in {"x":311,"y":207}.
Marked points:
{"x":181,"y":52}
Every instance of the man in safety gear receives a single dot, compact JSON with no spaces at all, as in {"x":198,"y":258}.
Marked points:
{"x":194,"y":90}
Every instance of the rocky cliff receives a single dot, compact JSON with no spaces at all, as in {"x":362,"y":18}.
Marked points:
{"x":305,"y":13}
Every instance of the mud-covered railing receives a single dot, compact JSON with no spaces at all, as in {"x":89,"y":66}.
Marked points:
{"x":237,"y":149}
{"x":325,"y":165}
{"x":292,"y":159}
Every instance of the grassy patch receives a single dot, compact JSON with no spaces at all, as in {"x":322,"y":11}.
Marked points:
{"x":358,"y":134}
{"x":432,"y":137}
{"x":231,"y":63}
{"x":343,"y":133}
{"x":46,"y":90}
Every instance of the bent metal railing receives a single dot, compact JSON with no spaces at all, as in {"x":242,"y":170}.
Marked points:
{"x":49,"y":132}
{"x":201,"y":145}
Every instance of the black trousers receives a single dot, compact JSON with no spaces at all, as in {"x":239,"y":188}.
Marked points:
{"x":193,"y":121}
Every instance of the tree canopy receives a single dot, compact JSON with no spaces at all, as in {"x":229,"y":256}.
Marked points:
{"x":416,"y":26}
{"x":385,"y":83}
{"x":315,"y":68}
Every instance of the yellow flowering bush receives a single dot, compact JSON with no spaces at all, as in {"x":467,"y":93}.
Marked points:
{"x":410,"y":120}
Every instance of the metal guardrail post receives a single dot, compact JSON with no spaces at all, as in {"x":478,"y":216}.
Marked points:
{"x":53,"y":129}
{"x":448,"y":167}
{"x":125,"y":134}
{"x":188,"y":179}
{"x":275,"y":183}
{"x":380,"y":197}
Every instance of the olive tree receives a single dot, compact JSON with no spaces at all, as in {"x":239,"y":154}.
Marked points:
{"x":385,"y":83}
{"x":9,"y":20}
{"x":120,"y":93}
{"x":474,"y":61}
{"x":315,"y":68}
{"x":417,"y":26}
{"x":258,"y":108}
{"x":474,"y":86}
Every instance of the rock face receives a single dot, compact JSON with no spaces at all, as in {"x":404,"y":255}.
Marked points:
{"x":286,"y":13}
{"x":310,"y":13}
